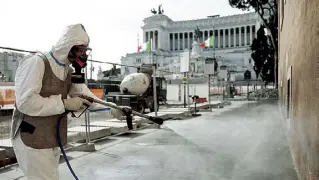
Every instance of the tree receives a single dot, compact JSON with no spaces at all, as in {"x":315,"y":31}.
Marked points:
{"x":265,"y":46}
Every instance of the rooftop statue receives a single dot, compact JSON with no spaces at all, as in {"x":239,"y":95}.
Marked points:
{"x":198,"y":33}
{"x":160,"y":10}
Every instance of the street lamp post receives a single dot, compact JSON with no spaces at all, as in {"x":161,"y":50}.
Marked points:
{"x":196,"y":51}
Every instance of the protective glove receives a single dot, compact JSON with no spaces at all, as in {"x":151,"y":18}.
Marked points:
{"x":75,"y":104}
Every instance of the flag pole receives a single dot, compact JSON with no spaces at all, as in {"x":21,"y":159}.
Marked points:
{"x":138,"y":43}
{"x":214,"y":41}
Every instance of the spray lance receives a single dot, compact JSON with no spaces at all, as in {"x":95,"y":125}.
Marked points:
{"x":79,"y":54}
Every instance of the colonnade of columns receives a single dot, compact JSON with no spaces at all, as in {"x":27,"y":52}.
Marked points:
{"x":224,"y":38}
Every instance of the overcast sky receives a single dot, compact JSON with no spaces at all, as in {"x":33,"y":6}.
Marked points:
{"x":112,"y":25}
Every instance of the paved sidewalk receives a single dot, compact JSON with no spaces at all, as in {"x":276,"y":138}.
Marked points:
{"x":241,"y":143}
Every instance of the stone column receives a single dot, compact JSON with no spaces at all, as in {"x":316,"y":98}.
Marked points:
{"x":203,"y":37}
{"x":189,"y":40}
{"x":239,"y":36}
{"x":149,"y":35}
{"x":229,"y":37}
{"x":224,"y":38}
{"x":158,"y":40}
{"x":169,"y":42}
{"x":154,"y":40}
{"x":144,"y":37}
{"x":251,"y":34}
{"x":183,"y":39}
{"x":173,"y":41}
{"x":178,"y":41}
{"x":218,"y":33}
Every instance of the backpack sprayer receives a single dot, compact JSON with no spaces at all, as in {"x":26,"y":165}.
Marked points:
{"x":128,"y":112}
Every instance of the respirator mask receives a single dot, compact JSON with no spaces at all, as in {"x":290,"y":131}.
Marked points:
{"x":78,"y":56}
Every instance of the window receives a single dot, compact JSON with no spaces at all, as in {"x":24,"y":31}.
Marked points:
{"x":138,"y":60}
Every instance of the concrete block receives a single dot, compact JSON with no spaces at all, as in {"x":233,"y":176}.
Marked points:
{"x":95,"y":132}
{"x":75,"y":137}
{"x":90,"y":147}
{"x":116,"y":127}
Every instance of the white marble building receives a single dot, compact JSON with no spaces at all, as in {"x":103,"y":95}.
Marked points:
{"x":9,"y":62}
{"x":233,"y":37}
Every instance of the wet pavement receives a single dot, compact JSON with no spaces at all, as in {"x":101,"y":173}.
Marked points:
{"x":246,"y":143}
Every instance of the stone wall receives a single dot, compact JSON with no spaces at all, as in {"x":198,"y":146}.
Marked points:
{"x":299,"y":62}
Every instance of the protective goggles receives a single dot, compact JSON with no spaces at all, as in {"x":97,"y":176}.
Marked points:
{"x":82,"y":50}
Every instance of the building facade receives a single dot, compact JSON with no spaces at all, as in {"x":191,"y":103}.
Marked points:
{"x":233,"y":36}
{"x":298,"y":79}
{"x":9,"y":62}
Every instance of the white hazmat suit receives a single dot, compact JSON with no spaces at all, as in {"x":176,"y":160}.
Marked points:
{"x":42,"y":164}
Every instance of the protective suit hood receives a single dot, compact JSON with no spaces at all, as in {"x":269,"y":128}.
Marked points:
{"x":71,"y":36}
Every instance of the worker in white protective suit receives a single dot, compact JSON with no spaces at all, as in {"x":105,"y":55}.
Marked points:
{"x":42,"y":87}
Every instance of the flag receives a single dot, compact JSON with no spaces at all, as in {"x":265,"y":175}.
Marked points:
{"x":145,"y":47}
{"x":208,"y":43}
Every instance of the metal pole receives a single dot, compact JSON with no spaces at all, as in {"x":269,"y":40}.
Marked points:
{"x":91,"y":70}
{"x":154,"y":89}
{"x":214,"y":43}
{"x":87,"y":114}
{"x":184,"y":90}
{"x":223,"y":89}
{"x":209,"y":106}
{"x":188,"y":105}
{"x":154,"y":81}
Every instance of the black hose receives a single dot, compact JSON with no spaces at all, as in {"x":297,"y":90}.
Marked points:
{"x":61,"y":146}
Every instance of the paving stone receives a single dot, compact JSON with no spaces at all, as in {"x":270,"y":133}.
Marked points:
{"x":75,"y":137}
{"x":116,"y":127}
{"x":95,"y":132}
{"x":135,"y":125}
{"x":159,"y":175}
{"x":13,"y":173}
{"x":101,"y":175}
{"x":6,"y":178}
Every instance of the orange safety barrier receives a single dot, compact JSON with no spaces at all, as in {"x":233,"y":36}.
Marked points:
{"x":7,"y":96}
{"x":201,"y":100}
{"x":98,"y":92}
